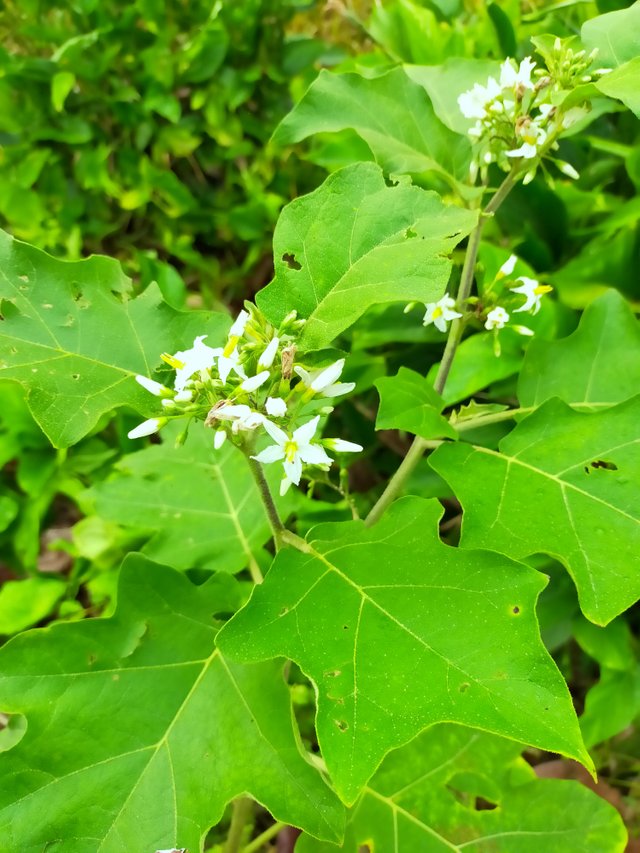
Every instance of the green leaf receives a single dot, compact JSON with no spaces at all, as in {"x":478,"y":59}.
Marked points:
{"x":357,"y":242}
{"x":624,"y":84}
{"x":25,"y":602}
{"x":476,"y":365}
{"x":75,"y":340}
{"x":616,"y":35}
{"x":425,"y":798}
{"x":391,"y":113}
{"x":598,"y":364}
{"x":564,"y":483}
{"x":414,"y":632}
{"x":409,"y":402}
{"x":202,"y":506}
{"x":61,"y":85}
{"x":144,"y":709}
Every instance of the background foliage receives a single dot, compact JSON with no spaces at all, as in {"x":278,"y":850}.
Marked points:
{"x":170,"y":136}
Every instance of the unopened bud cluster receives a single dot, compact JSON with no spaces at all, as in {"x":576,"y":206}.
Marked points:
{"x":253,"y":384}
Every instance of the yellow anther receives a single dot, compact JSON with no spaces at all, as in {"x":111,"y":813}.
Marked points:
{"x":290,"y":450}
{"x":231,"y":345}
{"x":542,"y":288}
{"x":172,"y":361}
{"x":437,"y":312}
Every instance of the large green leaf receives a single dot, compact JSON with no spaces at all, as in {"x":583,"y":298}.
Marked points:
{"x":391,"y":113}
{"x":565,"y":483}
{"x":425,"y":798}
{"x":357,"y":242}
{"x":623,"y":84}
{"x":598,"y":364}
{"x":75,"y":339}
{"x":409,"y":402}
{"x":201,"y":506}
{"x":413,"y":632}
{"x":139,"y":731}
{"x":616,"y":35}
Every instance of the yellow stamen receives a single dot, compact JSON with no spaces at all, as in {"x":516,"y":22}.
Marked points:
{"x":172,"y":361}
{"x":290,"y":450}
{"x":542,"y":288}
{"x":437,"y":312}
{"x":231,"y":345}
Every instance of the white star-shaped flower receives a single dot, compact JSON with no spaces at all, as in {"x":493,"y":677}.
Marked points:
{"x":474,"y":102}
{"x":533,"y":136}
{"x":440,"y":313}
{"x":496,"y":319}
{"x":293,"y":450}
{"x":510,"y":77}
{"x":190,"y":361}
{"x":533,"y":291}
{"x":242,"y":417}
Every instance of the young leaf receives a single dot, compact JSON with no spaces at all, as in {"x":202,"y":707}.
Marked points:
{"x":75,"y":339}
{"x":425,"y":798}
{"x":383,"y":111}
{"x":598,"y":364}
{"x":203,"y":506}
{"x":357,"y":242}
{"x":410,"y":632}
{"x":408,"y":402}
{"x":564,"y":483}
{"x":139,"y":731}
{"x":623,"y":84}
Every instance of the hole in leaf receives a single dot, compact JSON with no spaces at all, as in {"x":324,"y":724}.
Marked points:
{"x":409,"y":233}
{"x":290,"y":260}
{"x":345,"y":627}
{"x":342,"y":725}
{"x":482,"y":805}
{"x":515,"y":610}
{"x":464,"y":686}
{"x":75,"y":376}
{"x":333,"y":673}
{"x":12,"y":730}
{"x":604,"y":464}
{"x":284,"y":611}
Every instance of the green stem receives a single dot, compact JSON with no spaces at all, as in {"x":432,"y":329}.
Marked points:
{"x":242,"y":811}
{"x":486,"y":420}
{"x":417,"y":449}
{"x":277,"y":527}
{"x":262,"y":839}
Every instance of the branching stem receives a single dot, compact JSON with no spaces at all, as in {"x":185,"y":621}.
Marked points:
{"x":417,"y":449}
{"x":259,"y":842}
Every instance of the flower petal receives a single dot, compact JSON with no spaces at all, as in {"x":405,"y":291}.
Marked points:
{"x":305,"y":433}
{"x":277,"y":434}
{"x":293,"y":470}
{"x":270,"y":454}
{"x":313,"y":454}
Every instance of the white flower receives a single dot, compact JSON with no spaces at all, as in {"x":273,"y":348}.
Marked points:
{"x":276,"y":407}
{"x":293,"y":450}
{"x":342,"y":446}
{"x":219,"y":439}
{"x":153,"y":387}
{"x":523,"y":330}
{"x":567,"y":169}
{"x":183,"y":396}
{"x":147,"y":428}
{"x":533,"y":137}
{"x":474,"y":102}
{"x":496,"y":319}
{"x":187,"y":362}
{"x":267,"y":357}
{"x":510,"y":78}
{"x":242,"y":417}
{"x":324,"y":380}
{"x":440,"y":313}
{"x":533,"y":291}
{"x":256,"y":381}
{"x":238,"y":327}
{"x":508,"y":266}
{"x":228,"y":362}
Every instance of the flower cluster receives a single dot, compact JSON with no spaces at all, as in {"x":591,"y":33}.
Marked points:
{"x":244,"y":387}
{"x":495,"y":316}
{"x":516,"y":116}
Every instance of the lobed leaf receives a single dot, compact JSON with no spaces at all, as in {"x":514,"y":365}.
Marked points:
{"x":73,"y":337}
{"x":564,"y":483}
{"x":429,"y":796}
{"x":139,"y":731}
{"x":201,"y":507}
{"x":414,"y":632}
{"x":586,"y":367}
{"x":356,"y":242}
